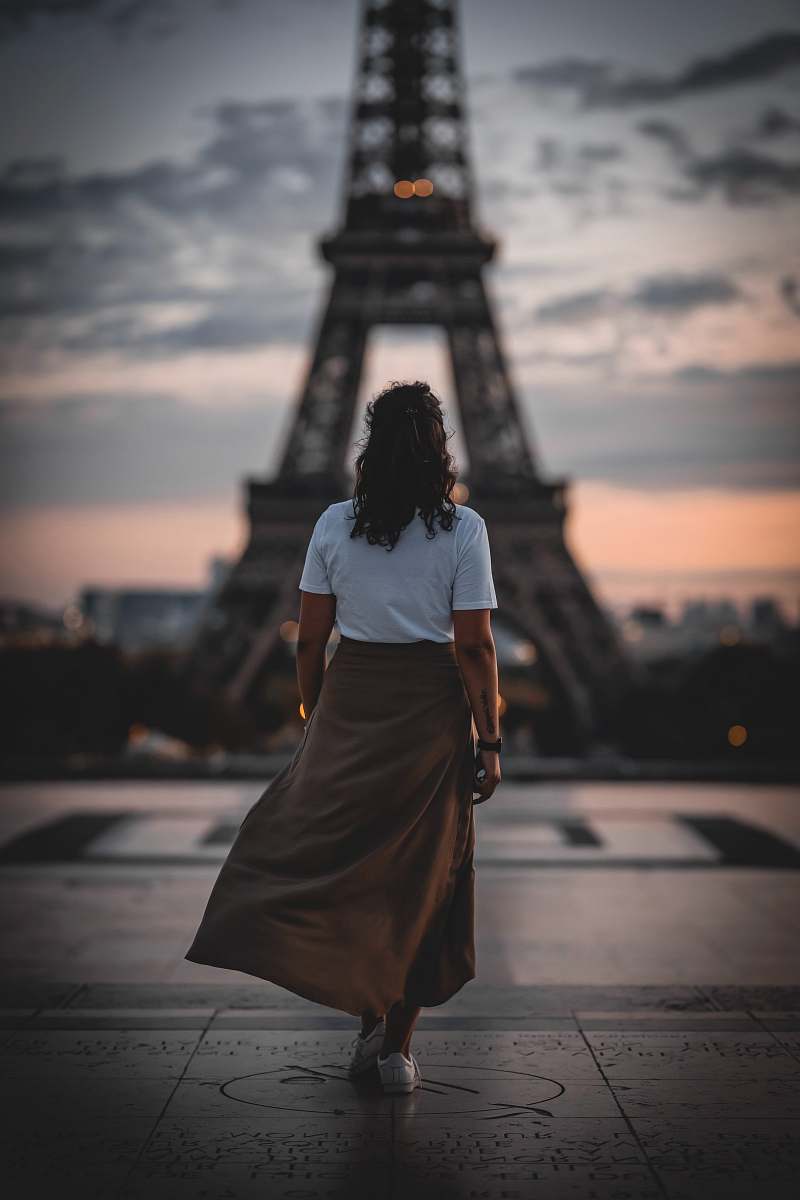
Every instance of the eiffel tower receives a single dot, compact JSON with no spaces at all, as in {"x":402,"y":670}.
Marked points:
{"x":407,"y":252}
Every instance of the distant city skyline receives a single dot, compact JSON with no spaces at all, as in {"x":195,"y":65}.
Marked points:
{"x":164,"y":179}
{"x":140,"y":618}
{"x":653,"y":592}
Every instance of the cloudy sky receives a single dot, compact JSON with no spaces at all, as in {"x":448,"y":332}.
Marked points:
{"x":165,"y":169}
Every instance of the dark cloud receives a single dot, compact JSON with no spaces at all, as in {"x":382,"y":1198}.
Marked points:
{"x":235,"y":321}
{"x":86,"y":449}
{"x":595,"y":361}
{"x":775,"y":123}
{"x":550,"y":154}
{"x":250,"y":149}
{"x":673,"y":294}
{"x":216,"y":231}
{"x":156,"y":18}
{"x":583,"y":175}
{"x":668,"y":135}
{"x":704,"y":425}
{"x":553,"y":154}
{"x":761,"y":59}
{"x":580,"y":306}
{"x":249,"y":145}
{"x":683,"y":293}
{"x":120,"y":15}
{"x":599,"y":84}
{"x":734,"y":429}
{"x":741,"y":174}
{"x":600,"y":152}
{"x":24,"y":257}
{"x":789,"y":291}
{"x":744,"y":177}
{"x":104,"y":246}
{"x":787,"y":371}
{"x":585,"y":76}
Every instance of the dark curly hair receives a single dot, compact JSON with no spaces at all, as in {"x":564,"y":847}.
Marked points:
{"x":404,"y":465}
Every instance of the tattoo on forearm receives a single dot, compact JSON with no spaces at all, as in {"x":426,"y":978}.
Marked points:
{"x":486,"y":712}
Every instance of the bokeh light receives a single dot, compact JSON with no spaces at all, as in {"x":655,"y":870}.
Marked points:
{"x":525,"y":653}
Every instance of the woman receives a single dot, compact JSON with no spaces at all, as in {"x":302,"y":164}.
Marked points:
{"x":351,"y":879}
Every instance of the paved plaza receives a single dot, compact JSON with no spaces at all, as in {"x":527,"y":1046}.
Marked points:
{"x":634,"y":1029}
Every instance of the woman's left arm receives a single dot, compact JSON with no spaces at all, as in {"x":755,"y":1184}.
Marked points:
{"x":317,"y":614}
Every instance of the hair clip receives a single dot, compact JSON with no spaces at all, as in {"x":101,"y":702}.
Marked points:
{"x":413,"y":413}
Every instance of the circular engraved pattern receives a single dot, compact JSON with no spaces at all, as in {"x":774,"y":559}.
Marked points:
{"x":494,"y":1092}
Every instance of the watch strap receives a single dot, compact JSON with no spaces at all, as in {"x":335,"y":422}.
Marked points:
{"x":484,"y":745}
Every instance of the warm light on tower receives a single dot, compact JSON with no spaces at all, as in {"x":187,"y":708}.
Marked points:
{"x":404,"y":188}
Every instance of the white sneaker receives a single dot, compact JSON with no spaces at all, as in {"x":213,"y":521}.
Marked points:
{"x":398,"y":1073}
{"x":365,"y":1049}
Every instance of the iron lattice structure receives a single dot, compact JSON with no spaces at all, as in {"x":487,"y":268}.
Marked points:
{"x":399,"y":261}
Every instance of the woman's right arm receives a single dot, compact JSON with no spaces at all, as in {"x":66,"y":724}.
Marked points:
{"x":477,"y":660}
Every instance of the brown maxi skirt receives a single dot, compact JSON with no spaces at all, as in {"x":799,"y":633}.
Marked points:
{"x":351,"y":879}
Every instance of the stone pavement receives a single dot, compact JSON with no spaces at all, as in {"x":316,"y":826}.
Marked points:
{"x":178,"y":1091}
{"x":634,"y":1030}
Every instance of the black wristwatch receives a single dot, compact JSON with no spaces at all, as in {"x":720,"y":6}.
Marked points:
{"x":482,"y":745}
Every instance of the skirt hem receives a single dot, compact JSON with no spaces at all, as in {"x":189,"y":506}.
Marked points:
{"x":316,"y":997}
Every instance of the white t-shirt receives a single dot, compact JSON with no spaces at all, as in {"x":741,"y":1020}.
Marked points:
{"x":405,"y":594}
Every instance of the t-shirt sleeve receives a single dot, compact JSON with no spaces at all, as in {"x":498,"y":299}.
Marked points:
{"x":315,"y":576}
{"x":473,"y":586}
